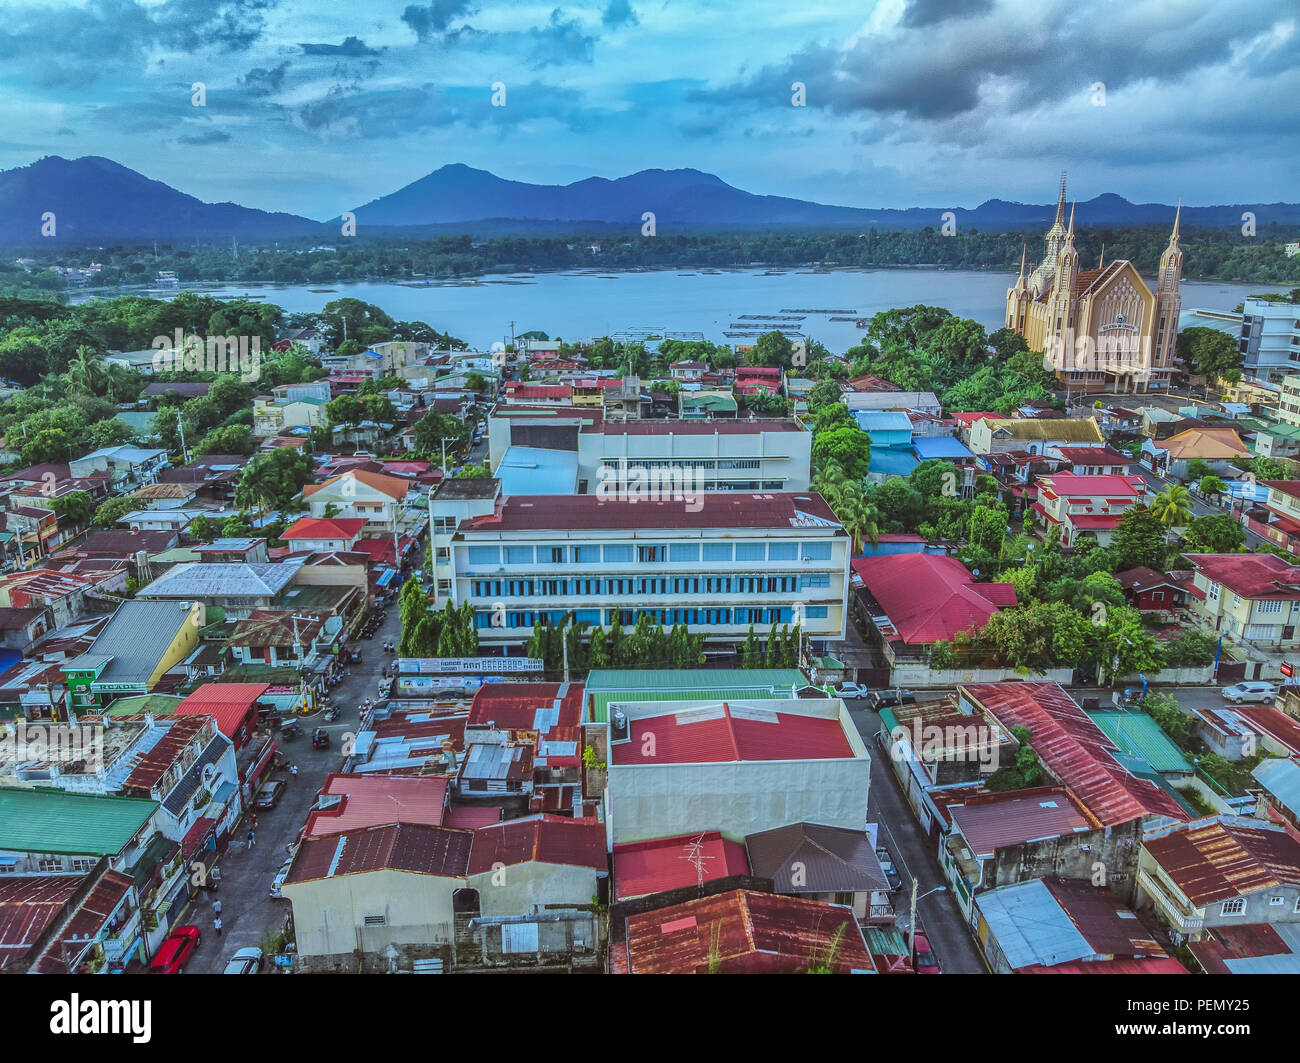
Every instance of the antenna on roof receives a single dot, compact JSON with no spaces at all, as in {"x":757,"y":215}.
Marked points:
{"x":695,"y":854}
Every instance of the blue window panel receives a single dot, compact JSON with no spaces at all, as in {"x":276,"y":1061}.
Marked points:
{"x":586,"y":555}
{"x":485,"y":555}
{"x":619,"y":553}
{"x":750,"y":551}
{"x":519,"y":555}
{"x":783,"y":551}
{"x":817,"y":579}
{"x":817,"y":551}
{"x":815,"y":612}
{"x":590,"y":616}
{"x":684,"y":552}
{"x":717,"y":551}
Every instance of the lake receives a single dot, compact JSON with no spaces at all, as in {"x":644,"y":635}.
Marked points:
{"x":586,"y":304}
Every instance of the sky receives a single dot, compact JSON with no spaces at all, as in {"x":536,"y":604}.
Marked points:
{"x":319,"y":106}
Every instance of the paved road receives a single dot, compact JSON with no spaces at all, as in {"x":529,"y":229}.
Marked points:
{"x":248,"y":912}
{"x":901,"y":834}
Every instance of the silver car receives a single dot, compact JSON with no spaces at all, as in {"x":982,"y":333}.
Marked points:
{"x":1252,"y":691}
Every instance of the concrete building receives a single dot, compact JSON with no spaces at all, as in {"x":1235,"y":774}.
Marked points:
{"x":1034,"y":435}
{"x":718,"y":563}
{"x":1087,"y":506}
{"x":1270,"y":342}
{"x":1249,"y":596}
{"x":739,"y":767}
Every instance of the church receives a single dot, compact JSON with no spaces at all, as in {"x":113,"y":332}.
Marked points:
{"x":1099,"y":329}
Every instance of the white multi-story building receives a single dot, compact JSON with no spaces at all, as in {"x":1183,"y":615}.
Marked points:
{"x":1270,"y":341}
{"x":714,"y":562}
{"x":723,"y":455}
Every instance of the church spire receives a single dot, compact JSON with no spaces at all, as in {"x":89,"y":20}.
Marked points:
{"x":1020,"y":283}
{"x":1060,"y":203}
{"x":1173,"y":236}
{"x":1069,"y":233}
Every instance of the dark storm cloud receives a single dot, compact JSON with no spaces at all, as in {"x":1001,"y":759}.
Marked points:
{"x":619,"y":13}
{"x":559,"y":42}
{"x":351,"y":48}
{"x":212,"y":136}
{"x":263,"y":81}
{"x":433,"y":20}
{"x":79,"y":45}
{"x":944,"y":70}
{"x":928,"y":12}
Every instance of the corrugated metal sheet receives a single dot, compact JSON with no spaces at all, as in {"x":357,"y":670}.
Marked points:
{"x":1030,"y":927}
{"x":722,"y":732}
{"x":662,"y":864}
{"x":1228,"y":856}
{"x":813,"y":858}
{"x":1136,"y":732}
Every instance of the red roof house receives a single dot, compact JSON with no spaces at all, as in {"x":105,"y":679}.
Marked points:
{"x":662,"y":864}
{"x":234,"y":705}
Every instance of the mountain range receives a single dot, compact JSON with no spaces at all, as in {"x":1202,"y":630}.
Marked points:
{"x":96,"y":199}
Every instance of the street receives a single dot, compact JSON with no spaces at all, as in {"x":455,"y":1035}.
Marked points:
{"x":249,"y":914}
{"x":937,"y":914}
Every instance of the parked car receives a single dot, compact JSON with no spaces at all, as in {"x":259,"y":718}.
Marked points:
{"x":320,"y":738}
{"x":245,"y":961}
{"x":175,"y":952}
{"x":1253,"y":691}
{"x":884,"y":699}
{"x":923,"y":961}
{"x":280,"y":876}
{"x":269,"y":795}
{"x":354,"y":656}
{"x":851,"y":690}
{"x":892,"y":876}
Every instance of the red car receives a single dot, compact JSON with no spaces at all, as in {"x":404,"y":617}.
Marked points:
{"x":175,"y":952}
{"x":923,"y":961}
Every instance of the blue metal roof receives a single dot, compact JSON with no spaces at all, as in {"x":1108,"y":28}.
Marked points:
{"x":538,"y":471}
{"x":1031,"y":927}
{"x":883,"y":421}
{"x":928,"y":447}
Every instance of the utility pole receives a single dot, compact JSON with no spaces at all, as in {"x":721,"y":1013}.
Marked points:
{"x":180,"y":424}
{"x":512,"y":333}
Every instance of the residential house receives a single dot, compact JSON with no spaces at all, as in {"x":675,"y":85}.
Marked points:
{"x":320,"y":535}
{"x":1220,"y":871}
{"x":1092,"y":461}
{"x":996,"y":435}
{"x":1063,"y":926}
{"x":61,"y":595}
{"x":1216,"y":447}
{"x":1149,"y":591}
{"x":837,"y":865}
{"x":1087,"y":506}
{"x":883,"y":401}
{"x":1278,"y":519}
{"x":127,"y":465}
{"x":378,"y":498}
{"x":238,"y":589}
{"x":687,"y":861}
{"x":141,"y":641}
{"x":273,"y":416}
{"x":914,"y":600}
{"x":1255,"y":597}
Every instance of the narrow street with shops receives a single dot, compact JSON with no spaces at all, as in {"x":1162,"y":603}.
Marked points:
{"x":250,"y":916}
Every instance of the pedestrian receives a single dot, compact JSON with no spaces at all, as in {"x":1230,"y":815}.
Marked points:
{"x":293,"y":770}
{"x":250,"y":837}
{"x":216,"y":907}
{"x":216,"y":924}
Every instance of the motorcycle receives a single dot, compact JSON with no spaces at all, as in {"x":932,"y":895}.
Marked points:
{"x":330,"y":715}
{"x":290,"y":731}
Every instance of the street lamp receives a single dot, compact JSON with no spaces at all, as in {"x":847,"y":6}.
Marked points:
{"x":911,"y":919}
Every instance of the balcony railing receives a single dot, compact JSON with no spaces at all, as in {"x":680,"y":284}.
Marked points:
{"x":1168,"y":907}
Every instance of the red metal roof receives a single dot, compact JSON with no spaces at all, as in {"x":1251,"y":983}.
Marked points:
{"x":1277,"y":725}
{"x":662,"y":864}
{"x":321,"y":528}
{"x":471,"y":817}
{"x":1247,"y":941}
{"x":994,"y":821}
{"x":412,"y":847}
{"x":230,"y":703}
{"x":715,"y":734}
{"x":930,"y":598}
{"x":1094,"y":456}
{"x":195,"y":836}
{"x":1074,"y":750}
{"x":1253,"y":576}
{"x":91,"y":915}
{"x":701,"y":428}
{"x":592,"y":513}
{"x":1222,"y":857}
{"x":742,"y":932}
{"x":1109,"y":485}
{"x":527,"y":706}
{"x":27,"y":907}
{"x":374,"y":800}
{"x":539,"y":839}
{"x":1147,"y":965}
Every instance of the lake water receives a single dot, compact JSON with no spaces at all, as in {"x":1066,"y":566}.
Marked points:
{"x":582,"y":305}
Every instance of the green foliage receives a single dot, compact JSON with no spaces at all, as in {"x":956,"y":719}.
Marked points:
{"x":1139,"y":540}
{"x":75,"y":508}
{"x":1214,"y":533}
{"x":204,"y":529}
{"x":108,"y":513}
{"x":1193,"y":648}
{"x":231,"y":439}
{"x":274,"y":479}
{"x":433,"y":427}
{"x":1208,"y":351}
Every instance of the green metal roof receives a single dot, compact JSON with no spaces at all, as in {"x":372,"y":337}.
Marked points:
{"x":708,"y":402}
{"x":692,"y":684}
{"x":1137,"y":734}
{"x":44,"y":820}
{"x":155,"y":704}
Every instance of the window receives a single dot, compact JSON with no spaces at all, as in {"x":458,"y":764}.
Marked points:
{"x":1271,"y":605}
{"x":684,"y":552}
{"x":557,"y":555}
{"x":650,"y":553}
{"x":815,"y":612}
{"x":750,"y":551}
{"x":817,"y":579}
{"x":1213,"y":593}
{"x":717,"y":551}
{"x":783,"y":552}
{"x":816,"y":551}
{"x":585,"y":555}
{"x":83,"y":864}
{"x":50,"y":863}
{"x":485,"y":555}
{"x":618,"y":553}
{"x":1235,"y":906}
{"x":1157,"y":596}
{"x":1276,"y":902}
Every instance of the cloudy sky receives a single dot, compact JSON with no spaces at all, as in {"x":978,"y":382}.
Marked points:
{"x":315,"y":107}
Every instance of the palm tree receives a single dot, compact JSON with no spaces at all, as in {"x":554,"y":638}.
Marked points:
{"x":86,"y":372}
{"x":1173,"y":506}
{"x":860,"y":520}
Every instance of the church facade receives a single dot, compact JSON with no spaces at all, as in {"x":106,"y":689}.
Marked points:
{"x":1098,"y":329}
